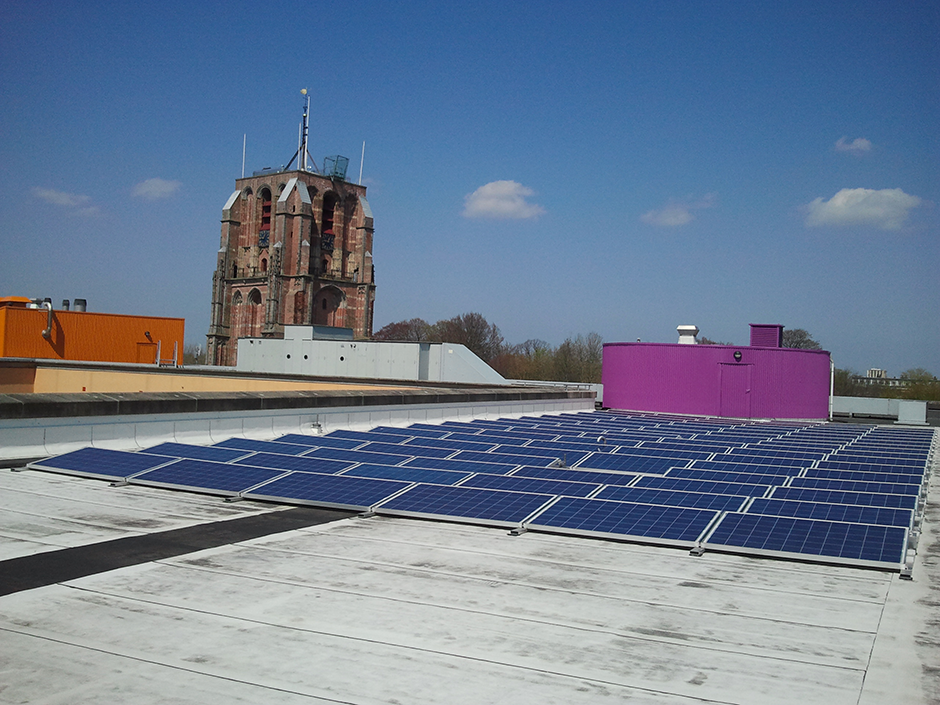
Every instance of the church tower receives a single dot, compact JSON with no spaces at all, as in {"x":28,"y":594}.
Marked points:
{"x":296,"y":249}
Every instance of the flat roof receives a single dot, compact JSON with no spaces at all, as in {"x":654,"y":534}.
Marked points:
{"x":385,"y":609}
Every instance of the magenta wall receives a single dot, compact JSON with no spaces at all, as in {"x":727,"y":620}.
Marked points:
{"x":777,"y":383}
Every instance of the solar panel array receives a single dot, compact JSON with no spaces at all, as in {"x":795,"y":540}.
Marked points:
{"x":826,"y":492}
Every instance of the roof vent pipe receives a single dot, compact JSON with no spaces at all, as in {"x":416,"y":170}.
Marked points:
{"x":687,"y":334}
{"x":65,"y":304}
{"x":47,"y":333}
{"x":80,"y":304}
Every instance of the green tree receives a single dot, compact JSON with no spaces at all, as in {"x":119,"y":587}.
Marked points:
{"x":799,"y":338}
{"x":413,"y":330}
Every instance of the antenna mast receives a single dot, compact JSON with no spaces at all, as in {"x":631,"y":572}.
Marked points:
{"x":302,"y":140}
{"x":361,"y":160}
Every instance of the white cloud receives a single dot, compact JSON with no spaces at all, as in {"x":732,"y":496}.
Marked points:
{"x":886,"y":209}
{"x":60,"y":198}
{"x":679,"y":213}
{"x":152,"y":189}
{"x":501,"y":200}
{"x":858,"y":146}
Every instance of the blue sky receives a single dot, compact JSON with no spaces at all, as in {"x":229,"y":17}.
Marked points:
{"x":558,"y":167}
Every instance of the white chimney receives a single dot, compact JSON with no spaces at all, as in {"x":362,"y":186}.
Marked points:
{"x":687,"y":334}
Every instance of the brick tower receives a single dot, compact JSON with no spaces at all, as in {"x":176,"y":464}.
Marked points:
{"x":296,"y":250}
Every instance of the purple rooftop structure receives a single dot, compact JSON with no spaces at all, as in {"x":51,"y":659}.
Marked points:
{"x":760,"y":380}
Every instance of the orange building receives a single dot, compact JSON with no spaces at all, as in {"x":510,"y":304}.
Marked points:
{"x":30,"y":332}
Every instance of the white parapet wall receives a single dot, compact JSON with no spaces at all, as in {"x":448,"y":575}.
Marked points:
{"x":905,"y":411}
{"x":299,"y":353}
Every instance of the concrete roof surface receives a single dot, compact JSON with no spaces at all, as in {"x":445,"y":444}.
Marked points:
{"x":384,"y":610}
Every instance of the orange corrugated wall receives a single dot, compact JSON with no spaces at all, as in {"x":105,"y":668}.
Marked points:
{"x":103,"y":337}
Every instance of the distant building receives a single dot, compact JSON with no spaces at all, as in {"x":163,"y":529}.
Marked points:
{"x":876,"y":377}
{"x":296,"y":249}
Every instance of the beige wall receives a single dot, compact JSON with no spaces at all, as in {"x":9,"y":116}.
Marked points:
{"x":62,"y":381}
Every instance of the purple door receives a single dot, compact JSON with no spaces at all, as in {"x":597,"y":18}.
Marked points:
{"x":734,"y":395}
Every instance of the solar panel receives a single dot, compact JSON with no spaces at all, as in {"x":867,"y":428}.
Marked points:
{"x":858,"y":542}
{"x":319,"y":441}
{"x":673,"y":498}
{"x":575,"y":475}
{"x":262,"y":446}
{"x":328,"y":490}
{"x":722,"y":476}
{"x":897,"y":478}
{"x":358,"y":456}
{"x":876,"y":459}
{"x":854,"y":486}
{"x":100,"y":463}
{"x":629,"y":463}
{"x":645,"y":521}
{"x":757,"y":468}
{"x":653,"y":451}
{"x":408,"y":474}
{"x":832,"y":512}
{"x":760,"y":459}
{"x":411,"y":431}
{"x":448,"y":443}
{"x":807,"y":494}
{"x":290,"y":462}
{"x":491,"y":506}
{"x":916,"y":470}
{"x":472,"y":455}
{"x":206,"y":476}
{"x":184,"y":450}
{"x":462,"y":465}
{"x":516,"y":483}
{"x":707,"y":486}
{"x":405,"y":450}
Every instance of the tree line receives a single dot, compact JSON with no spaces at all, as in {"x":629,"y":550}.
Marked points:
{"x":575,"y":360}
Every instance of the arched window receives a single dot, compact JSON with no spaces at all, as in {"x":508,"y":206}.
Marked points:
{"x":235,"y":270}
{"x":264,"y":265}
{"x":329,"y":307}
{"x":254,"y":297}
{"x":264,"y":227}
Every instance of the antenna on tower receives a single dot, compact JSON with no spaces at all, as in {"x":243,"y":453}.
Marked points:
{"x":361,"y":160}
{"x":244,"y":144}
{"x":302,"y":140}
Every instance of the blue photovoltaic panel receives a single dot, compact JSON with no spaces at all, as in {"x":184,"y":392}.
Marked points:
{"x":758,"y":468}
{"x":760,"y":459}
{"x":629,"y":463}
{"x":854,"y":486}
{"x":448,"y":443}
{"x":774,"y":455}
{"x":329,"y":490}
{"x":897,"y":478}
{"x":407,"y":474}
{"x":571,"y":456}
{"x":833,"y":512}
{"x":100,"y":463}
{"x":262,"y":446}
{"x":406,"y":450}
{"x":461,"y":465}
{"x":472,"y":455}
{"x":515,"y":483}
{"x":472,"y":437}
{"x":184,"y":450}
{"x":722,"y":476}
{"x":579,"y":446}
{"x":319,"y":441}
{"x":677,"y":455}
{"x":673,"y":498}
{"x":361,"y":436}
{"x":358,"y":456}
{"x":521,"y":435}
{"x":806,"y":494}
{"x":707,"y":486}
{"x":466,"y":502}
{"x":916,"y":470}
{"x":289,"y":462}
{"x":625,"y":518}
{"x":410,"y":431}
{"x":884,"y":544}
{"x":876,"y":459}
{"x":575,"y":475}
{"x":207,"y":476}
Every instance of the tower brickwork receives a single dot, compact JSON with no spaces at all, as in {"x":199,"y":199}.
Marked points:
{"x":296,"y":249}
